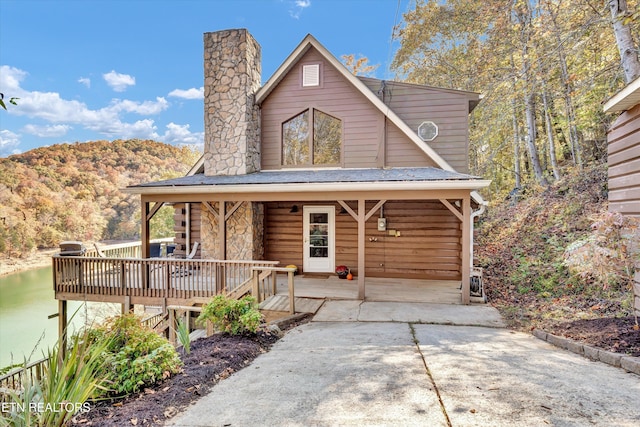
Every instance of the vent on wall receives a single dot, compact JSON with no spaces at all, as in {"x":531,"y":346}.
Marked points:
{"x":311,"y":75}
{"x":427,"y":131}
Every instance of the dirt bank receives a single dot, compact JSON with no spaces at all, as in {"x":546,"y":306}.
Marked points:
{"x":38,"y":259}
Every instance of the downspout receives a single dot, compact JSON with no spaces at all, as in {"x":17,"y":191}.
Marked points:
{"x":474,"y":215}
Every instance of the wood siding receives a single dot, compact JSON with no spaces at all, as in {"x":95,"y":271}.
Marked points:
{"x":624,"y":163}
{"x":363,"y":125}
{"x":180,"y":229}
{"x":429,"y":245}
{"x":415,"y":104}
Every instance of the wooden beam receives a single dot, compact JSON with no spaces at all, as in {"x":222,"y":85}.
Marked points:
{"x":301,"y":196}
{"x":466,"y":250}
{"x":211,"y":209}
{"x":361,"y":255}
{"x":232,"y":210}
{"x":348,"y":209}
{"x":155,"y":209}
{"x":452,"y":208}
{"x":374,"y":209}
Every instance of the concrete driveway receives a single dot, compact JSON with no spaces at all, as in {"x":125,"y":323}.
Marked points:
{"x":355,"y":373}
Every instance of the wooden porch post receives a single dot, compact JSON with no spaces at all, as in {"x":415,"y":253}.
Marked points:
{"x":361,"y":256}
{"x":62,"y":325}
{"x":222,"y":229}
{"x":144,"y":232}
{"x":466,"y":253}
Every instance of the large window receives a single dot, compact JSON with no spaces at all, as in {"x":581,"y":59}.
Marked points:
{"x":311,"y":138}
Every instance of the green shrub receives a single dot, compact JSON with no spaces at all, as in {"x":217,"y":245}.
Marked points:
{"x":232,"y":316}
{"x":182,"y":331}
{"x":135,"y":357}
{"x":68,"y":382}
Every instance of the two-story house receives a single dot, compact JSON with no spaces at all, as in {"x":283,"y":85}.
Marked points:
{"x":319,"y":168}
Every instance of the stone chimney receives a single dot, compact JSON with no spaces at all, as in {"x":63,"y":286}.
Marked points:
{"x":231,"y":118}
{"x":232,"y":139}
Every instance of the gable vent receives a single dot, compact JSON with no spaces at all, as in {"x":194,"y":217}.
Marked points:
{"x":428,"y":131}
{"x":311,"y":75}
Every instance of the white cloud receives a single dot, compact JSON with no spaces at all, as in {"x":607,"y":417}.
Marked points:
{"x":297,"y":7}
{"x":10,"y":79}
{"x":9,"y":142}
{"x":47,"y":131}
{"x":63,"y":115}
{"x":85,"y":81}
{"x":119,"y":82}
{"x":192,"y":93}
{"x":180,"y":134}
{"x":142,"y":108}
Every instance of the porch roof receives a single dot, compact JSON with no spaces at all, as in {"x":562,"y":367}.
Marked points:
{"x":318,"y":179}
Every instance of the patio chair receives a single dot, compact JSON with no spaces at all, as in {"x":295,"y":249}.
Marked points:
{"x":185,"y":271}
{"x":155,"y":250}
{"x":111,"y":269}
{"x":99,"y":251}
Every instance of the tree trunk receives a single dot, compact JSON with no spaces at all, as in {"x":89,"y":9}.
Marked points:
{"x":525,"y":19}
{"x":549,"y":128}
{"x":530,"y":114}
{"x":624,"y":40}
{"x":574,"y":137}
{"x":516,"y":146}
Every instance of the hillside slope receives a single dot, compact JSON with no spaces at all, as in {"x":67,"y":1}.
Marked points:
{"x":521,"y":247}
{"x":72,"y":191}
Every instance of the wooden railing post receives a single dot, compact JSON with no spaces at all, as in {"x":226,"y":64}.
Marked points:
{"x":172,"y":326}
{"x":292,"y":303}
{"x":255,"y":286}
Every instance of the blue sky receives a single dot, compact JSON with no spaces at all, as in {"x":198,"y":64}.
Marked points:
{"x":88,"y":70}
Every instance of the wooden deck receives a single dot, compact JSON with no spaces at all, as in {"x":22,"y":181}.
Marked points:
{"x":151,"y":281}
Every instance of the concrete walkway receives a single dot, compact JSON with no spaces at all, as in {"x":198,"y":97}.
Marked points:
{"x":393,"y":373}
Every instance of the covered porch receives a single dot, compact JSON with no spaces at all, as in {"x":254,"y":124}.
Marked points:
{"x":241,"y":215}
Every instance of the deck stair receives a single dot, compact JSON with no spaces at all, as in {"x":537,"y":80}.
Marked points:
{"x":302,"y":305}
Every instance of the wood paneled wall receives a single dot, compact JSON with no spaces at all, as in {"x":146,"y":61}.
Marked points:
{"x":429,"y":244}
{"x":180,"y":229}
{"x":624,"y":163}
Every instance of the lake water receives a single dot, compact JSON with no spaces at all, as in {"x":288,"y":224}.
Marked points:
{"x":26,"y":300}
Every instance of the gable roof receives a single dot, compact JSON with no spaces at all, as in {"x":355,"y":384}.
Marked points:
{"x":310,"y":42}
{"x":372,"y":83}
{"x":307,"y":43}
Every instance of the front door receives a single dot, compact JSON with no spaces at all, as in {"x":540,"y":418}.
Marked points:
{"x":319,"y":239}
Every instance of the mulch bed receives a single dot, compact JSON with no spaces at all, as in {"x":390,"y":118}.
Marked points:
{"x":612,"y":334}
{"x":211,"y":359}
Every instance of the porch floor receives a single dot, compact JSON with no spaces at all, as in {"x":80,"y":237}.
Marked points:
{"x":376,"y":289}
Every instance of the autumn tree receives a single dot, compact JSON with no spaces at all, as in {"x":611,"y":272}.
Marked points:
{"x":621,"y":20}
{"x":72,"y":191}
{"x":544,"y":67}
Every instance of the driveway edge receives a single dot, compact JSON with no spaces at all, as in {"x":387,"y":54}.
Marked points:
{"x":628,"y":363}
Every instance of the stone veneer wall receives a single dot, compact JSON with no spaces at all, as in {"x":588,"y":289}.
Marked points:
{"x":232,"y":73}
{"x":245,"y":236}
{"x":232,"y":120}
{"x":636,"y":292}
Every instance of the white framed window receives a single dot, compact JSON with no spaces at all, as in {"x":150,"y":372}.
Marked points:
{"x":312,"y":138}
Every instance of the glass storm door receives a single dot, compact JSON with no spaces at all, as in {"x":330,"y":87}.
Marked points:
{"x":319,"y":238}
